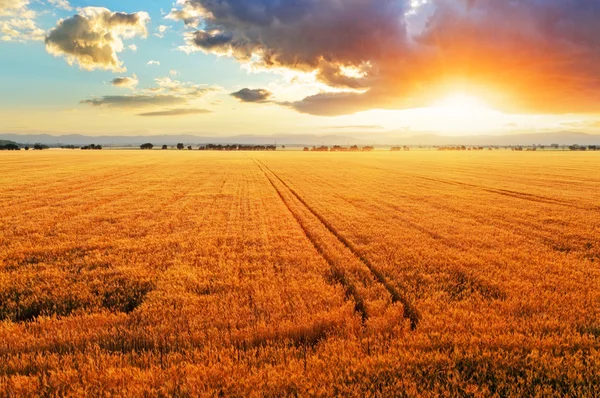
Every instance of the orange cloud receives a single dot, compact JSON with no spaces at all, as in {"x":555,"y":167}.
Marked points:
{"x":517,"y":56}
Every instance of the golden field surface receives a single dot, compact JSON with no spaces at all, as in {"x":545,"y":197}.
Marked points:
{"x":187,"y":273}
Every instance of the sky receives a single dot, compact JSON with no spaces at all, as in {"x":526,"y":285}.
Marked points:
{"x":267,"y":67}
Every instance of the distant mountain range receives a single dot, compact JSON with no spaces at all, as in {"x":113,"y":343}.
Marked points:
{"x":561,"y":138}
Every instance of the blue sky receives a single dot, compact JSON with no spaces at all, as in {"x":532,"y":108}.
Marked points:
{"x":365,"y":67}
{"x":47,"y":75}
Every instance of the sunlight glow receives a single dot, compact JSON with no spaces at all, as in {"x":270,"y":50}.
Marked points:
{"x":455,"y":114}
{"x":414,"y":6}
{"x":461,"y":104}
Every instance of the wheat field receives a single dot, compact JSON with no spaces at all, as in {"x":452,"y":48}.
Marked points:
{"x":188,"y":273}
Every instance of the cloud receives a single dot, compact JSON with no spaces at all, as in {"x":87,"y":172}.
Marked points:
{"x":18,"y":22}
{"x":166,"y":93}
{"x":173,"y":72}
{"x":132,"y":47}
{"x":183,"y":89}
{"x":307,"y":35}
{"x":93,"y":37}
{"x":153,"y":62}
{"x":250,"y":95}
{"x":161,"y":30}
{"x":12,"y":7}
{"x":176,"y":112}
{"x":135,"y":101}
{"x":64,"y":4}
{"x":188,"y":13}
{"x":126,"y":82}
{"x":406,"y":54}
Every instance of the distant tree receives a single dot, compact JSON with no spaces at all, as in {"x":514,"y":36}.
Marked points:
{"x":306,"y":149}
{"x":180,"y":146}
{"x":26,"y":148}
{"x":283,"y":147}
{"x":190,"y":148}
{"x":37,"y":147}
{"x":10,"y":147}
{"x":146,"y":146}
{"x":91,"y":147}
{"x":322,"y":148}
{"x":164,"y":147}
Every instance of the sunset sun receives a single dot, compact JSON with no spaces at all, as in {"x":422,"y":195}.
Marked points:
{"x":460,"y":103}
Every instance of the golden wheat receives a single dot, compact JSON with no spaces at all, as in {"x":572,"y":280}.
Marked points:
{"x":153,"y":273}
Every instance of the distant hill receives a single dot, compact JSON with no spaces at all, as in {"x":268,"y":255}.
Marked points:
{"x":384,"y":138}
{"x":77,"y":139}
{"x":561,"y":138}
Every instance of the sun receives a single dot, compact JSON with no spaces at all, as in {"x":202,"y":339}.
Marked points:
{"x":460,"y":104}
{"x":456,"y":113}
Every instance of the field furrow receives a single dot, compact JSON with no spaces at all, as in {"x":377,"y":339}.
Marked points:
{"x":410,"y":312}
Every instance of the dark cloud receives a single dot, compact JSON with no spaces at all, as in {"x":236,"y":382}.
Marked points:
{"x":518,"y":56}
{"x":252,"y":95}
{"x":135,"y":101}
{"x":210,"y":41}
{"x":304,"y":35}
{"x":93,"y":37}
{"x":126,"y":82}
{"x":176,"y":112}
{"x":343,"y":103}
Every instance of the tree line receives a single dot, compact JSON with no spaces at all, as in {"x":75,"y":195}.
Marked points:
{"x":15,"y":147}
{"x":213,"y":147}
{"x":339,"y":148}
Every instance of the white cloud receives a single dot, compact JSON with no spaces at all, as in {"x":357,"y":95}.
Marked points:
{"x":64,"y":4}
{"x":161,"y":30}
{"x":17,"y":22}
{"x":93,"y":37}
{"x":12,"y":7}
{"x":189,"y":14}
{"x":153,"y":62}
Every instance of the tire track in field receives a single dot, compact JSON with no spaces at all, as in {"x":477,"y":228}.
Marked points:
{"x":506,"y":192}
{"x":410,"y":312}
{"x":498,"y":191}
{"x":339,"y":275}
